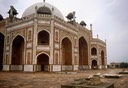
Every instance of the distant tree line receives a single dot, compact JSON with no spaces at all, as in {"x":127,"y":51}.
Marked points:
{"x":124,"y":65}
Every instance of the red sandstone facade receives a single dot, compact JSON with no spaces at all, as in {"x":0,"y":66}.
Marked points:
{"x":46,"y":42}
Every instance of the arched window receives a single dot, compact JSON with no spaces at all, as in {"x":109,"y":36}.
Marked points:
{"x":43,"y":38}
{"x":93,"y":51}
{"x":29,"y":34}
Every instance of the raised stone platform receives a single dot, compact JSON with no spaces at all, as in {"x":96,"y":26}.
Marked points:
{"x":123,"y":72}
{"x":112,"y":75}
{"x":103,"y":85}
{"x":93,"y":82}
{"x":66,"y":72}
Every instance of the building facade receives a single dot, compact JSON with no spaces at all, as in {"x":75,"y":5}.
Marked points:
{"x":41,"y":40}
{"x":115,"y":65}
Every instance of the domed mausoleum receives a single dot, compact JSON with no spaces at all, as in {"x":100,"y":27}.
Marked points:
{"x":41,"y":40}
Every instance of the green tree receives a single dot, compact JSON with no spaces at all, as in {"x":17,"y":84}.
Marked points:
{"x":124,"y":65}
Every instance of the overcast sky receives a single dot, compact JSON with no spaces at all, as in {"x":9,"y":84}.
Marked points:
{"x":109,"y":19}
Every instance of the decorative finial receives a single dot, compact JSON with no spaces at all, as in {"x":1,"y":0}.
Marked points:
{"x":97,"y":35}
{"x":74,"y":15}
{"x":90,"y":26}
{"x":52,"y":8}
{"x":105,"y":40}
{"x":36,"y":7}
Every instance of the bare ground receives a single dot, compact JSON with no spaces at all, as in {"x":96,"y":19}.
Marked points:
{"x":54,"y":80}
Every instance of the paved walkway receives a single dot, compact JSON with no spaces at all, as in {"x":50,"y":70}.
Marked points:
{"x":53,"y":80}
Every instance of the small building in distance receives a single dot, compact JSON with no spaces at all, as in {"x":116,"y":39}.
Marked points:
{"x":115,"y":65}
{"x":41,"y":40}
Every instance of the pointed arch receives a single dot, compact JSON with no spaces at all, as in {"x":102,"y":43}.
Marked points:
{"x":43,"y":62}
{"x":1,"y":50}
{"x":93,"y":51}
{"x":102,"y":58}
{"x":17,"y":50}
{"x":43,"y":38}
{"x":83,"y":51}
{"x":66,"y":51}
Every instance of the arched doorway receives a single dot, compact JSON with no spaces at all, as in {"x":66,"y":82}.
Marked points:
{"x":83,"y":52}
{"x":66,"y":51}
{"x":102,"y":57}
{"x":93,"y":51}
{"x":94,"y":64}
{"x":42,"y":62}
{"x":1,"y":50}
{"x":43,"y":38}
{"x":17,"y":53}
{"x":117,"y":66}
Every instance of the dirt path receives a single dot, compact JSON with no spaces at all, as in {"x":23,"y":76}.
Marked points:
{"x":54,"y":80}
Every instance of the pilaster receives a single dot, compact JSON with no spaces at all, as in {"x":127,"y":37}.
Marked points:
{"x":34,"y":40}
{"x":51,"y":58}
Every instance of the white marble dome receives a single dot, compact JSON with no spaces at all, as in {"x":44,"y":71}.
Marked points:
{"x":48,"y":9}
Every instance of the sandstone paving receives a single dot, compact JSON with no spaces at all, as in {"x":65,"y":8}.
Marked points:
{"x":54,"y":80}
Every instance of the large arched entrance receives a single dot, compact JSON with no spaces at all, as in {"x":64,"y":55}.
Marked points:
{"x":66,"y":51}
{"x":94,"y":64}
{"x":1,"y":50}
{"x":43,"y":38}
{"x":83,"y":52}
{"x":42,"y":62}
{"x":17,"y":53}
{"x":102,"y":57}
